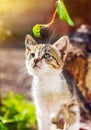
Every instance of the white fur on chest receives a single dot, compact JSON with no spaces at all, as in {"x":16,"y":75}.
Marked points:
{"x":50,"y":91}
{"x":49,"y":84}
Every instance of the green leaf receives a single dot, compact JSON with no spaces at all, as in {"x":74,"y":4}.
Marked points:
{"x":36,"y":30}
{"x":62,"y":12}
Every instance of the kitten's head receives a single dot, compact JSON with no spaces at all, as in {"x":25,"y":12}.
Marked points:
{"x":45,"y":58}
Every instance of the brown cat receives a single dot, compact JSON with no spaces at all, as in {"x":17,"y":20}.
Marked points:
{"x":76,"y":63}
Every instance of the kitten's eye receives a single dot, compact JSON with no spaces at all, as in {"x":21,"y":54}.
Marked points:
{"x":47,"y":56}
{"x":32,"y":55}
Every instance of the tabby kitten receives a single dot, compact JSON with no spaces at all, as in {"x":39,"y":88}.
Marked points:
{"x":50,"y":90}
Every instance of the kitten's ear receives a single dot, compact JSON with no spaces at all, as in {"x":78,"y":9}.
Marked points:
{"x":62,"y":45}
{"x":29,"y":41}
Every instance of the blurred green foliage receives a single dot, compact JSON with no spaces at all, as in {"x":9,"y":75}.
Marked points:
{"x":17,"y":113}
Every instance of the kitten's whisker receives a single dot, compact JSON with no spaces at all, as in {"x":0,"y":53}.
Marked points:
{"x":23,"y":71}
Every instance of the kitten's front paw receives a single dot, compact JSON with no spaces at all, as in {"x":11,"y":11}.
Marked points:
{"x":76,"y":126}
{"x":54,"y":127}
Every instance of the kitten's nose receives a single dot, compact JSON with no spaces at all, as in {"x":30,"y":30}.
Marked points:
{"x":36,"y":60}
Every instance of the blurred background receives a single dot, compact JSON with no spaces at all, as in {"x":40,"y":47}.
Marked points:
{"x":17,"y":17}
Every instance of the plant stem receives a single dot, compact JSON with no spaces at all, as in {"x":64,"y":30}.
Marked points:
{"x":52,"y":20}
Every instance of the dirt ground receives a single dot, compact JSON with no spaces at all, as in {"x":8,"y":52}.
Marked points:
{"x":13,"y":74}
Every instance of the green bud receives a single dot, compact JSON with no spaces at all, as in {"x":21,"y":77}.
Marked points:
{"x":36,"y":30}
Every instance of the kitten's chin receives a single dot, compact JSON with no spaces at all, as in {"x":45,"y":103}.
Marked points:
{"x":34,"y":71}
{"x":43,"y":72}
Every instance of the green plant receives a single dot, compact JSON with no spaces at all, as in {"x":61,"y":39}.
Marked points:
{"x":17,"y":113}
{"x":62,"y":13}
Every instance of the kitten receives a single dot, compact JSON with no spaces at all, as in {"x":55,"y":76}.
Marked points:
{"x":51,"y":91}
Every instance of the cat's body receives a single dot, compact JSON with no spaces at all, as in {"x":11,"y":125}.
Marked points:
{"x":49,"y":100}
{"x":51,"y":92}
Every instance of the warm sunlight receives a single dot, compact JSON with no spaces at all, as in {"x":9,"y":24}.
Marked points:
{"x":16,"y":5}
{"x":20,"y":5}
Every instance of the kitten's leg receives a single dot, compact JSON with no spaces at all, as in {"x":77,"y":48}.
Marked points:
{"x":65,"y":126}
{"x":43,"y":120}
{"x":73,"y":122}
{"x":74,"y":117}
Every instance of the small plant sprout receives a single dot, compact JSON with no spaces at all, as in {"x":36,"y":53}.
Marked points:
{"x":61,"y":11}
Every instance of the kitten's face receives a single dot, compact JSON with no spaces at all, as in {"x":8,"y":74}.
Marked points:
{"x":45,"y":58}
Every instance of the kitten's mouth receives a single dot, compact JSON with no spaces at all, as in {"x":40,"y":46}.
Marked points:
{"x":36,"y":66}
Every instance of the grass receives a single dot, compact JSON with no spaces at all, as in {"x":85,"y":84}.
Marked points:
{"x":17,"y":113}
